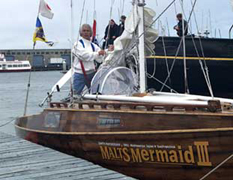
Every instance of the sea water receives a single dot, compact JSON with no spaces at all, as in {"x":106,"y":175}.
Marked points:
{"x":13,"y":90}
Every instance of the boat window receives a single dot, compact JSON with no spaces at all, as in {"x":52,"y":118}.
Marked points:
{"x":52,"y":119}
{"x":15,"y":65}
{"x":0,"y":65}
{"x":9,"y":65}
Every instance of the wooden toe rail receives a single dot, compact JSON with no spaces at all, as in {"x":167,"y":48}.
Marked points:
{"x":213,"y":106}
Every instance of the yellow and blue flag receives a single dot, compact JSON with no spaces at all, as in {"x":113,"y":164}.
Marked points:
{"x":39,"y":34}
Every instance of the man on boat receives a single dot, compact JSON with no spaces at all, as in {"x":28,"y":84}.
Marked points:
{"x":111,"y":33}
{"x":85,"y":53}
{"x":179,"y":26}
{"x":121,"y":27}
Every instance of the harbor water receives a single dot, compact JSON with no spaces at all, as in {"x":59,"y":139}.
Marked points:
{"x":13,"y":89}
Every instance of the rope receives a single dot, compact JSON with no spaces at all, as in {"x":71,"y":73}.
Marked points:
{"x":166,"y":60}
{"x":172,"y":90}
{"x":217,"y":167}
{"x":2,"y":125}
{"x":154,"y":71}
{"x":162,"y":13}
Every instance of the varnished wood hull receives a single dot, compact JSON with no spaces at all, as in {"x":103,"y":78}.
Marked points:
{"x":160,"y":146}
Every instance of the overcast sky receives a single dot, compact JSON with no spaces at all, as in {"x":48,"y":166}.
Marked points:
{"x":18,"y":18}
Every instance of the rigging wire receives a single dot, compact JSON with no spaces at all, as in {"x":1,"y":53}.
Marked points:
{"x":178,"y":49}
{"x":28,"y":86}
{"x":71,"y":45}
{"x":2,"y":125}
{"x":161,"y":13}
{"x":83,"y":8}
{"x":166,"y":60}
{"x":123,"y":7}
{"x":205,"y":69}
{"x":175,"y":8}
{"x":72,"y":35}
{"x":206,"y":75}
{"x":165,"y":85}
{"x":184,"y":50}
{"x":29,"y":77}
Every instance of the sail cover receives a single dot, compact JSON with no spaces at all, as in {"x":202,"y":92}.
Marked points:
{"x":115,"y":81}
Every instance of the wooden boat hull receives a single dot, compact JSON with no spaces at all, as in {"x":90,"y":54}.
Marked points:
{"x":188,"y":145}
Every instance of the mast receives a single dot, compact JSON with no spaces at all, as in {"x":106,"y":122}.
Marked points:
{"x":141,"y":30}
{"x":71,"y":54}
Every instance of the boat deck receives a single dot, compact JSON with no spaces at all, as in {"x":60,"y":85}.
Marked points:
{"x":20,"y":159}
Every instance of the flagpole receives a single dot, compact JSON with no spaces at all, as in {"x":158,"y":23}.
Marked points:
{"x":71,"y":54}
{"x":29,"y":77}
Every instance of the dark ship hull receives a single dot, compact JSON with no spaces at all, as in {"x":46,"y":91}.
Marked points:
{"x":218,"y":54}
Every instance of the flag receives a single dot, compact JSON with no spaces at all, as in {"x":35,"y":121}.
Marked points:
{"x":45,"y":10}
{"x":94,"y":40}
{"x":39,"y":34}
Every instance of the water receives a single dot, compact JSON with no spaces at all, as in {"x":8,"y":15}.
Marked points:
{"x":13,"y":89}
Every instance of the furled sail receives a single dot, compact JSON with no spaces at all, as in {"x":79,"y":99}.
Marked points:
{"x":127,"y":40}
{"x":113,"y":78}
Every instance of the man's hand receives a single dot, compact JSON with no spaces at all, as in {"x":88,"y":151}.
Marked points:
{"x":101,"y":52}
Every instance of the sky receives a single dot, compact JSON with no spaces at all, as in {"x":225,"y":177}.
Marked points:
{"x":18,"y":19}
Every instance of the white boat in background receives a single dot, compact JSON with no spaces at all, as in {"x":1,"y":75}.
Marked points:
{"x":13,"y":66}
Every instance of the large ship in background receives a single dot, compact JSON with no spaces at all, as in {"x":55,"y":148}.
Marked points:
{"x":13,"y":66}
{"x":212,"y":55}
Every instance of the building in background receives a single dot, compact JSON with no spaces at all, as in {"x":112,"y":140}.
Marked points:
{"x":40,"y":59}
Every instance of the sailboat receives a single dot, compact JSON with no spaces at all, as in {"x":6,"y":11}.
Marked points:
{"x":145,"y":135}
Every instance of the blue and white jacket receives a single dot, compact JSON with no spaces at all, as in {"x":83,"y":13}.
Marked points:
{"x":87,"y":52}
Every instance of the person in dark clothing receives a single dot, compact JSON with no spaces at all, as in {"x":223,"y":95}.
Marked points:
{"x":111,"y":33}
{"x":179,"y":26}
{"x":121,"y":26}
